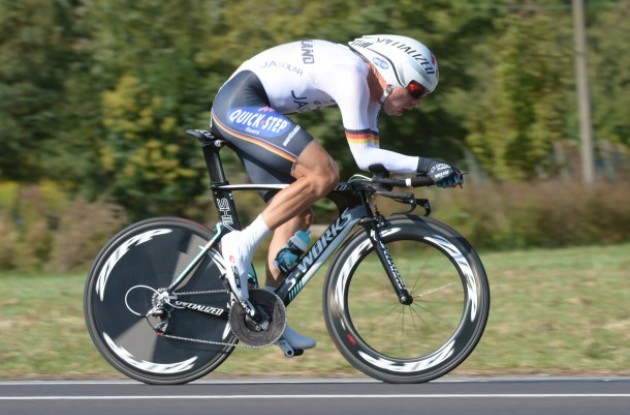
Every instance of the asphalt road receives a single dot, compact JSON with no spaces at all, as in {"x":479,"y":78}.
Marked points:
{"x":469,"y":396}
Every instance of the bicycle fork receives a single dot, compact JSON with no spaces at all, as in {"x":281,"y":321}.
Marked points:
{"x":374,"y":233}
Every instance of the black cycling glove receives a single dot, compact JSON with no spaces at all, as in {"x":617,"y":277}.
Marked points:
{"x":442,"y":174}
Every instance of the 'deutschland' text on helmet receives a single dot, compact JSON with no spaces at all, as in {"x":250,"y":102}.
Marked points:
{"x":399,"y":59}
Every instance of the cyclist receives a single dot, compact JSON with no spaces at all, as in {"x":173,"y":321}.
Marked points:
{"x":389,"y":72}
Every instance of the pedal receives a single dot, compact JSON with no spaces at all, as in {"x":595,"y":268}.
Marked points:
{"x":288,"y":350}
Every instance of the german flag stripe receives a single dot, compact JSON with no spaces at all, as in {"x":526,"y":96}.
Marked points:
{"x":362,"y":136}
{"x":260,"y":143}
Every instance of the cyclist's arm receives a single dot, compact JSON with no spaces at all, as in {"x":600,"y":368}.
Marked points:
{"x":366,"y":155}
{"x":364,"y":142}
{"x":350,"y":90}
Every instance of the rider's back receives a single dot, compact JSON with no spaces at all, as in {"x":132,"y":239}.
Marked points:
{"x":308,"y":74}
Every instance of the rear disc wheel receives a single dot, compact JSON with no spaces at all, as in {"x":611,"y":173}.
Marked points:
{"x":124,"y":284}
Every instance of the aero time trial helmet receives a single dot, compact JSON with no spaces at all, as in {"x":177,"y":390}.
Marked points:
{"x":399,"y":59}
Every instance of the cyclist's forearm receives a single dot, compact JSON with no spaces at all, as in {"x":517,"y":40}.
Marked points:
{"x":394,"y":162}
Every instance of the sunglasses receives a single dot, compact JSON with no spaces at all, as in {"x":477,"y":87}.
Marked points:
{"x":416,"y":90}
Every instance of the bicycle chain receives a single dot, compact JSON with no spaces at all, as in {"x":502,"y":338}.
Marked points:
{"x":210,"y":342}
{"x":201,"y":292}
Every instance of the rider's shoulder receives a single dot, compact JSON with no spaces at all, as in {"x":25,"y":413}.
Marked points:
{"x":339,"y":55}
{"x":315,"y":56}
{"x":313,"y":48}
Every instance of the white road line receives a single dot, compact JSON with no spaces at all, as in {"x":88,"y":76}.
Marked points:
{"x":286,"y":397}
{"x":238,"y":381}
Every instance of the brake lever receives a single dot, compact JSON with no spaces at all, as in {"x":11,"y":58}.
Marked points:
{"x":426,"y":205}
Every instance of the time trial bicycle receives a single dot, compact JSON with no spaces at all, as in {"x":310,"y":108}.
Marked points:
{"x":405,"y":299}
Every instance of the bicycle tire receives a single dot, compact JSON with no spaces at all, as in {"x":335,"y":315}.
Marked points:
{"x":415,"y":343}
{"x":146,"y":256}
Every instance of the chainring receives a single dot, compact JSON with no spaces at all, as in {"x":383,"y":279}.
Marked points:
{"x":274,"y":312}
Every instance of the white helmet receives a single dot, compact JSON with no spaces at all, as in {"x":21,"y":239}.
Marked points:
{"x":399,"y":59}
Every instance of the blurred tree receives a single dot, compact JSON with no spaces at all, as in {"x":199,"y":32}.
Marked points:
{"x":609,"y":55}
{"x":36,"y":52}
{"x":149,"y":89}
{"x":519,"y":105}
{"x":149,"y":167}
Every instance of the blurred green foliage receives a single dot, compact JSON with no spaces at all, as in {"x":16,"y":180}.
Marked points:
{"x":95,"y":95}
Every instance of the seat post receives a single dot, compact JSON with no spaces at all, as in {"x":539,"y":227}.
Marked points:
{"x":213,"y":161}
{"x":223,"y":198}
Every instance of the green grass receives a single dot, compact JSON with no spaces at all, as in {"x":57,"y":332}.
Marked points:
{"x":564,"y":311}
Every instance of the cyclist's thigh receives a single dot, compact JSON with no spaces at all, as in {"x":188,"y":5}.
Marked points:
{"x":315,"y":160}
{"x":258,"y":173}
{"x":242,"y":115}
